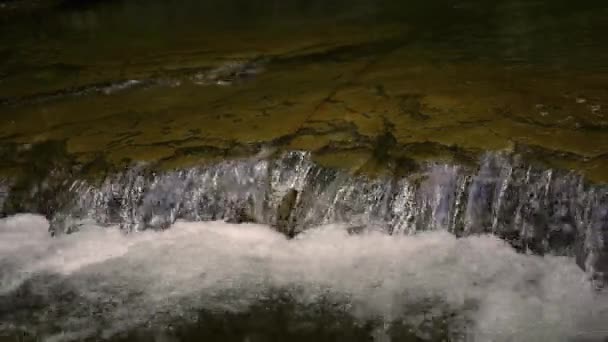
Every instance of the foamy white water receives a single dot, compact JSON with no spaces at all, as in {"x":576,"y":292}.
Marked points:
{"x":138,"y":278}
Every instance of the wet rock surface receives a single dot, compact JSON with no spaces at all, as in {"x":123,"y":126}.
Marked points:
{"x":340,"y":89}
{"x":285,"y":209}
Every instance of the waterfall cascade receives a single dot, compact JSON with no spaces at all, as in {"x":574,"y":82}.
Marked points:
{"x":536,"y":210}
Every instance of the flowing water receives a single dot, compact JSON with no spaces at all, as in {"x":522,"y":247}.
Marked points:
{"x":325,"y":283}
{"x":266,"y":170}
{"x":372,"y":259}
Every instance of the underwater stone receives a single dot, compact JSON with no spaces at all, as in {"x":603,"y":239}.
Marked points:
{"x":284,"y":213}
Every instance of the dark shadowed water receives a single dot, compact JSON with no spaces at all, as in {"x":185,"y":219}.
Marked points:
{"x":62,"y":37}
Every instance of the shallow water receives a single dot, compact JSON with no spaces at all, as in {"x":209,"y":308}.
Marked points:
{"x":176,"y":83}
{"x":218,"y":279}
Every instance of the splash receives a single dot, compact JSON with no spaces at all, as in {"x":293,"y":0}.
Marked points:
{"x":101,"y":282}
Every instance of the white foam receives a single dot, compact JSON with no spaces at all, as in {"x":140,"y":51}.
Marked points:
{"x":25,"y":242}
{"x":509,"y":296}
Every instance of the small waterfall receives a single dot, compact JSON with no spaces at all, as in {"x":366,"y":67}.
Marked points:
{"x":536,"y":210}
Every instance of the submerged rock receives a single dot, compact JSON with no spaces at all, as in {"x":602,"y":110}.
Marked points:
{"x":4,"y":192}
{"x":284,"y":223}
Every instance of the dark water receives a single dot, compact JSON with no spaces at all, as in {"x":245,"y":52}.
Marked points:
{"x":61,"y":38}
